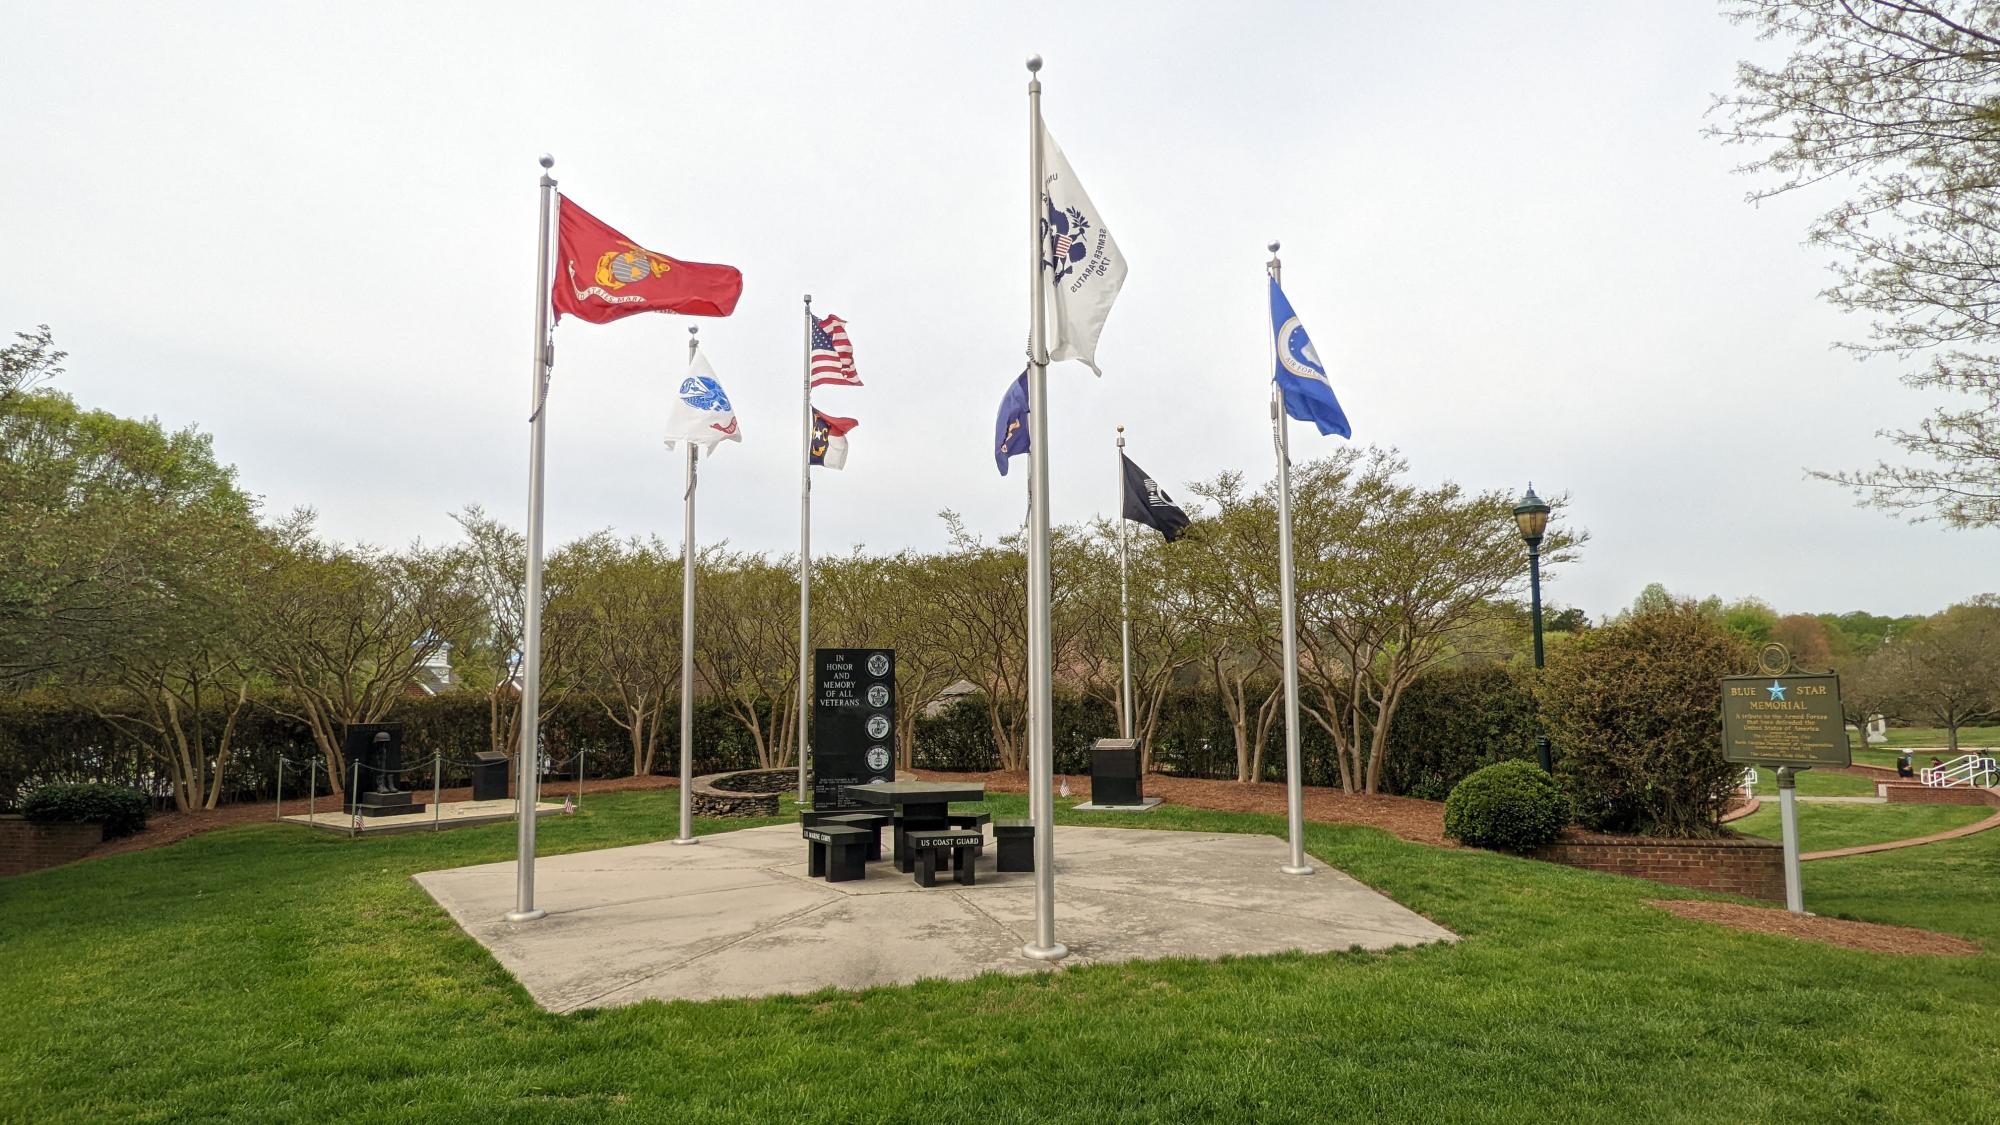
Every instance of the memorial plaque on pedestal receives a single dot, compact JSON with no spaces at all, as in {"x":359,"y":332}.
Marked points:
{"x":1783,"y":720}
{"x":854,"y":721}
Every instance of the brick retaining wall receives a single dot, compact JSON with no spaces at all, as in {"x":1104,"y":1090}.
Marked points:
{"x":1742,"y":865}
{"x":26,"y":847}
{"x":1938,"y":795}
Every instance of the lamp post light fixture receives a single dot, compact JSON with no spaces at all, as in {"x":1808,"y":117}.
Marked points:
{"x":1532,"y":516}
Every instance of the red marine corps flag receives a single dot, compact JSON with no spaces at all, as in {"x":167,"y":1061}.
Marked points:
{"x":601,"y":275}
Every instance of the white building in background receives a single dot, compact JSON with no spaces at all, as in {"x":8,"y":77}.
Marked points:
{"x":434,"y":675}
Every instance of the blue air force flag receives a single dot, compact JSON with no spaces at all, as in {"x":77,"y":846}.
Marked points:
{"x":1010,"y":429}
{"x":1082,"y":268}
{"x":1301,"y":377}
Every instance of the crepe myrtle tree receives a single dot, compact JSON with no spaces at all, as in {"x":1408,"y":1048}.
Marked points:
{"x":1897,"y":102}
{"x":492,"y":561}
{"x":619,"y":608}
{"x":1164,"y":633}
{"x":746,"y":645}
{"x":865,"y":601}
{"x":1232,"y":577}
{"x":1394,"y":578}
{"x":344,"y":630}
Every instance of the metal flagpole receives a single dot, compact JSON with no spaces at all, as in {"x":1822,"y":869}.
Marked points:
{"x":1041,"y":726}
{"x":805,"y":549}
{"x":1124,"y":595}
{"x":541,"y":362}
{"x":1288,"y":608}
{"x":687,"y":835}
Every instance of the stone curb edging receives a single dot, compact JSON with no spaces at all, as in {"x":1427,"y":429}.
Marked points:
{"x":1892,"y":845}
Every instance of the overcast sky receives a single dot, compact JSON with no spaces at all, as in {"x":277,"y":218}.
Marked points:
{"x":311,"y":231}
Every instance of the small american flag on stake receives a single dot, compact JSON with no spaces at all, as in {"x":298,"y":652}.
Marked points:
{"x":832,"y":354}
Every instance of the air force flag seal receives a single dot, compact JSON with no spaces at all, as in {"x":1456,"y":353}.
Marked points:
{"x":1300,"y":375}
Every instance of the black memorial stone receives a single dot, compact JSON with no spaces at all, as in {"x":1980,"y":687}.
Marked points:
{"x":489,"y":776}
{"x":1114,"y":772}
{"x":1016,"y":844}
{"x":854,"y":722}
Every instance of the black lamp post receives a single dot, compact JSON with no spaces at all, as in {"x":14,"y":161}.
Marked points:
{"x":1532,"y":516}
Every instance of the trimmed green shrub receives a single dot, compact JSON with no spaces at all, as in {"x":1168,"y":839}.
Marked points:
{"x":1512,"y":806}
{"x":120,"y":810}
{"x":1634,"y":710}
{"x":1452,"y":721}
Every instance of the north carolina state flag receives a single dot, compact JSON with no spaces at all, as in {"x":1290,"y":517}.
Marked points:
{"x":601,"y":275}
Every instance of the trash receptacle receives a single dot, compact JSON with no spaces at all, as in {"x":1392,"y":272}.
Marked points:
{"x":489,"y":777}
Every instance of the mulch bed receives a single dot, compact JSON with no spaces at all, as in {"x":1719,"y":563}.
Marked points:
{"x":163,"y":828}
{"x":1407,"y":817}
{"x":1872,"y":937}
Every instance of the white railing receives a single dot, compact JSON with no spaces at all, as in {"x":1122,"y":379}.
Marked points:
{"x":1966,"y":770}
{"x":1748,"y":782}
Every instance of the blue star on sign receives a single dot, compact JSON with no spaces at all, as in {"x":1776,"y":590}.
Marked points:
{"x":1777,"y":691}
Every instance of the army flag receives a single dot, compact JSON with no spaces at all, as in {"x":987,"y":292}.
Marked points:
{"x":600,"y":275}
{"x":701,"y":412}
{"x":1082,"y":268}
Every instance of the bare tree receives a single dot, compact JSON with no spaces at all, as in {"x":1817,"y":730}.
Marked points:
{"x":1897,"y":98}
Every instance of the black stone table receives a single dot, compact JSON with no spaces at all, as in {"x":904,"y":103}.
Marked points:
{"x":916,"y":805}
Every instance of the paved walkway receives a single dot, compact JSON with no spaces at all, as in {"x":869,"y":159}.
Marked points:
{"x":447,"y":814}
{"x":736,"y":915}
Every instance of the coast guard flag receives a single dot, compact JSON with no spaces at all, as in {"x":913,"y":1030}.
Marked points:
{"x":1082,"y":268}
{"x":829,"y":445}
{"x":1146,"y":502}
{"x":700,"y":412}
{"x":1010,"y":430}
{"x":1300,"y":376}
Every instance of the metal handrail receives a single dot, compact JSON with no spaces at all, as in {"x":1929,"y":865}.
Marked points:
{"x":1965,"y":771}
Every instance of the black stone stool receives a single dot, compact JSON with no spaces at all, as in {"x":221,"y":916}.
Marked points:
{"x":869,"y":822}
{"x":1016,"y":839}
{"x":926,"y":846}
{"x":835,"y":850}
{"x":977,"y":821}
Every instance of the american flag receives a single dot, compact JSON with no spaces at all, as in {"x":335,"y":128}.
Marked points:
{"x":832,"y":354}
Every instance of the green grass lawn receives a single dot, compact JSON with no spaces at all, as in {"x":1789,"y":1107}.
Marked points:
{"x":1969,"y":738}
{"x":1825,"y":827}
{"x":1817,"y":783}
{"x":273,"y":974}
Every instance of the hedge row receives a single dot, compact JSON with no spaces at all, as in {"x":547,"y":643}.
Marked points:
{"x":1451,"y":723}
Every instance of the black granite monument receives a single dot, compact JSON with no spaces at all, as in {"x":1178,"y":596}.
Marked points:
{"x":854,"y":722}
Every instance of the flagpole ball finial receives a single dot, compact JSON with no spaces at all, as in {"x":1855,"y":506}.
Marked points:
{"x":1274,"y":246}
{"x":1121,"y":429}
{"x":547,"y":161}
{"x":1034,"y":63}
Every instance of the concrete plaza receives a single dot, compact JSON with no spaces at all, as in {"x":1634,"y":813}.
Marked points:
{"x":736,"y":915}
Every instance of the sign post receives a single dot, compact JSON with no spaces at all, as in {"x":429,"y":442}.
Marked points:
{"x":1787,"y":722}
{"x":854,"y":722}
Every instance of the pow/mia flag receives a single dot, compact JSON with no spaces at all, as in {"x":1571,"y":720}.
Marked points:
{"x":1146,"y":502}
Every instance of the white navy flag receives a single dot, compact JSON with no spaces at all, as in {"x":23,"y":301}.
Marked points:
{"x":701,"y":412}
{"x":1082,"y":267}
